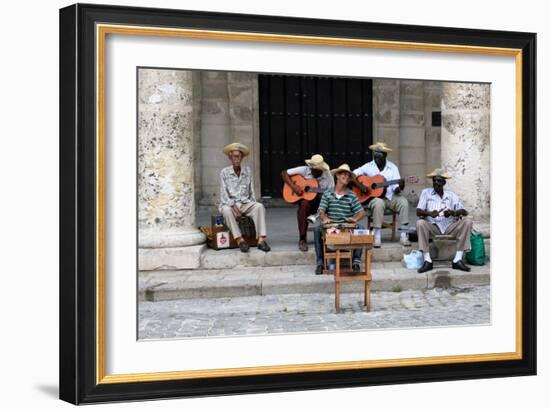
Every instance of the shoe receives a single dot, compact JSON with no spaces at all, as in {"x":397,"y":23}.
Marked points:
{"x":302,"y":245}
{"x":427,"y":266}
{"x":459,"y":265}
{"x":264,"y":246}
{"x":356,"y":267}
{"x":377,"y":244}
{"x":319,"y":269}
{"x":243,"y":246}
{"x":405,"y":241}
{"x":312,"y":218}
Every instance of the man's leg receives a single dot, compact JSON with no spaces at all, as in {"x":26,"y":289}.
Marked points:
{"x":231,"y":222}
{"x":257,"y":212}
{"x":304,"y":209}
{"x":318,"y":249}
{"x":400,"y":204}
{"x":424,"y":229}
{"x":377,"y":207}
{"x":461,"y":230}
{"x":357,"y":254}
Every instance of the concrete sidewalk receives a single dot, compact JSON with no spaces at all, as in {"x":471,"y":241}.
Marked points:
{"x":295,"y":279}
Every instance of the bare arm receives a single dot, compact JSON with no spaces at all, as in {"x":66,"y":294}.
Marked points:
{"x":357,"y":217}
{"x":295,"y":188}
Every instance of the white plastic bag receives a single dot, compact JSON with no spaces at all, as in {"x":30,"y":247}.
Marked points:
{"x":413,"y":260}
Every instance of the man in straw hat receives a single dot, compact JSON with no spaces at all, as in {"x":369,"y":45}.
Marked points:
{"x":339,"y":206}
{"x":442,"y":213}
{"x":237,"y":197}
{"x":316,"y":168}
{"x":380,"y":165}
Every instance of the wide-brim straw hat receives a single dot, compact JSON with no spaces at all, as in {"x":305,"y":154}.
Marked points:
{"x":439,"y":172}
{"x":317,"y":162}
{"x":380,"y":147}
{"x":236,"y":146}
{"x":341,"y":168}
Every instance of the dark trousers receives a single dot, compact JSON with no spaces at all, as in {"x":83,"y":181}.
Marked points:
{"x":305,"y":208}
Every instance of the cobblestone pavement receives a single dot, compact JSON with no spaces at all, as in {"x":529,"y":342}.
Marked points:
{"x":291,"y":313}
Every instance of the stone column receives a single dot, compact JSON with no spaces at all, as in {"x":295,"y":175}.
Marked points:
{"x":168,"y":238}
{"x":465,"y":149}
{"x":412,"y":158}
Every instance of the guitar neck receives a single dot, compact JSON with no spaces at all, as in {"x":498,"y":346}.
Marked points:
{"x":387,"y":183}
{"x":315,"y":189}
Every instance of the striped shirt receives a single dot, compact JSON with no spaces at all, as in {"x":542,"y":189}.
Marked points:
{"x":337,"y":209}
{"x":390,"y":172}
{"x":430,"y":200}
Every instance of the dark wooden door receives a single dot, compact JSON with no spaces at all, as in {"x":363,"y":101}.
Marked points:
{"x":301,"y":116}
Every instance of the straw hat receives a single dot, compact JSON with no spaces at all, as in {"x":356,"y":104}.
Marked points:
{"x":380,"y":147}
{"x":439,"y":172}
{"x":341,"y":168}
{"x":236,"y":146}
{"x":317,"y":162}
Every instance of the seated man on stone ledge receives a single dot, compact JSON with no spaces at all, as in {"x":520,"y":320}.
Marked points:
{"x":339,"y":206}
{"x":443,"y":213}
{"x":237,"y":197}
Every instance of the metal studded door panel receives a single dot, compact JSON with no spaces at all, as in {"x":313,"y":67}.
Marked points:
{"x":301,"y":116}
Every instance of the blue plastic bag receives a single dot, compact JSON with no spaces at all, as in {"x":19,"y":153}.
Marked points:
{"x":413,"y":260}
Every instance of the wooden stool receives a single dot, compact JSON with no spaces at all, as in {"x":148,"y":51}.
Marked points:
{"x":344,"y":244}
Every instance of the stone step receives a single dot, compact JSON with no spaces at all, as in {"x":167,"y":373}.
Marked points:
{"x":295,"y":279}
{"x":290,"y":255}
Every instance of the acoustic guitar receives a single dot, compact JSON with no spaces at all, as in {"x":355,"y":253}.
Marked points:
{"x":309,"y":186}
{"x":376,"y":185}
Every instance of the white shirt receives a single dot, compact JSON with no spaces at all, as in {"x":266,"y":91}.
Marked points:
{"x":326,"y":180}
{"x":390,"y":172}
{"x":430,"y":200}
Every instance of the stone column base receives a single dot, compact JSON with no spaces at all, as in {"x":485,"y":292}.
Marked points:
{"x":170,"y":258}
{"x":167,"y":238}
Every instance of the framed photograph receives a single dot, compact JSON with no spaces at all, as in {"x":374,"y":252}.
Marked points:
{"x":257,"y":203}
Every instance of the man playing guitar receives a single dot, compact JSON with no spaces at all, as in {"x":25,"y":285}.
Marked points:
{"x":391,"y":199}
{"x":316,"y":169}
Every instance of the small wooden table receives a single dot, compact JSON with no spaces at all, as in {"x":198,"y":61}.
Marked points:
{"x":345,"y":242}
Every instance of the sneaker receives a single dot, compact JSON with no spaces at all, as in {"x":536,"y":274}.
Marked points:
{"x":302,"y":245}
{"x":319,"y":269}
{"x":312,"y":218}
{"x":377,"y":243}
{"x":405,"y":241}
{"x":356,"y":266}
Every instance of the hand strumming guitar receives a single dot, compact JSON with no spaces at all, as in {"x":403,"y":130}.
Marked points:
{"x":297,"y":190}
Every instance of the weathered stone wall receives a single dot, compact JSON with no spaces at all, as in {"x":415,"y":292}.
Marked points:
{"x":465,"y":141}
{"x":402,"y":118}
{"x":432,"y":103}
{"x":412,"y":133}
{"x":229,"y":106}
{"x":386,"y":107}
